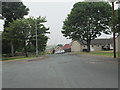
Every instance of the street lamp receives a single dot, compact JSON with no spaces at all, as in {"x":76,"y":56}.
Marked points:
{"x":113,"y":26}
{"x":36,"y":38}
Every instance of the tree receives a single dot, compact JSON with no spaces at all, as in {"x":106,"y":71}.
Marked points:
{"x":117,"y":21}
{"x":22,"y":32}
{"x":41,"y":31}
{"x":86,"y":21}
{"x":16,"y":31}
{"x":11,"y":11}
{"x":118,"y":29}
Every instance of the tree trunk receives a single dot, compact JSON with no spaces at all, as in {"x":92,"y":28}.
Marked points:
{"x":12,"y":48}
{"x":26,"y":54}
{"x":25,"y":49}
{"x":88,"y":46}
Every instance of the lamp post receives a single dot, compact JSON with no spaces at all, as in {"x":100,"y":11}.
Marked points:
{"x":36,"y":38}
{"x":113,"y":26}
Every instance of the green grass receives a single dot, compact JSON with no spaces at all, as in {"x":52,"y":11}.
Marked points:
{"x":20,"y":57}
{"x":16,"y":58}
{"x":99,"y":53}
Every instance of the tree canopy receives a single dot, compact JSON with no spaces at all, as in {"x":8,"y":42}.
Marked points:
{"x":11,"y":11}
{"x":23,"y":33}
{"x":117,"y":20}
{"x":87,"y":20}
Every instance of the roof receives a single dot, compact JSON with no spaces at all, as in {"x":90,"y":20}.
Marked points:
{"x":58,"y":48}
{"x":66,"y":46}
{"x":100,"y":41}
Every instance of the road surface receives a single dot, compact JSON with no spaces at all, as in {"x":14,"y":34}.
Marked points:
{"x":61,"y":71}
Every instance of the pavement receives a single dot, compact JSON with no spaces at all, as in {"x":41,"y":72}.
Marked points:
{"x":61,"y":71}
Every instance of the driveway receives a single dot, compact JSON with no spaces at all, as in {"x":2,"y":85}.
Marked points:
{"x":61,"y":71}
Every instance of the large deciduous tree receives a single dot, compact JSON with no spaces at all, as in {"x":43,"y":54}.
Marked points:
{"x":11,"y":11}
{"x":23,"y":31}
{"x":117,"y":21}
{"x":86,"y":21}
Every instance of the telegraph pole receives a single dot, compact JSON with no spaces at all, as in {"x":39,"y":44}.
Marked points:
{"x":113,"y":18}
{"x":36,"y":38}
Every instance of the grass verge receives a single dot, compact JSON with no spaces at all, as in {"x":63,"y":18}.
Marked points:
{"x":16,"y":58}
{"x":99,"y":53}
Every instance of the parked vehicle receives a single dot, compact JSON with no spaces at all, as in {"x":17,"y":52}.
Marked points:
{"x":59,"y":52}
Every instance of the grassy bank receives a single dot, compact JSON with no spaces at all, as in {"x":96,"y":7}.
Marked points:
{"x":99,"y":53}
{"x":17,"y":58}
{"x":20,"y":57}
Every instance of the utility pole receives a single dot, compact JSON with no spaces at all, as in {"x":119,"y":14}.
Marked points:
{"x":36,"y":38}
{"x":113,"y":27}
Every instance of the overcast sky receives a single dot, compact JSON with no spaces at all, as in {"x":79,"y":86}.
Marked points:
{"x":55,"y":13}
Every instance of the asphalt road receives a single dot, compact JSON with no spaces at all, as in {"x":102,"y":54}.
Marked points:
{"x":61,"y":71}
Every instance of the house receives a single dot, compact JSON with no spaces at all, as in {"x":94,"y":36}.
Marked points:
{"x":76,"y":46}
{"x":96,"y":45}
{"x":49,"y":49}
{"x":67,"y":47}
{"x":102,"y":44}
{"x":58,"y":48}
